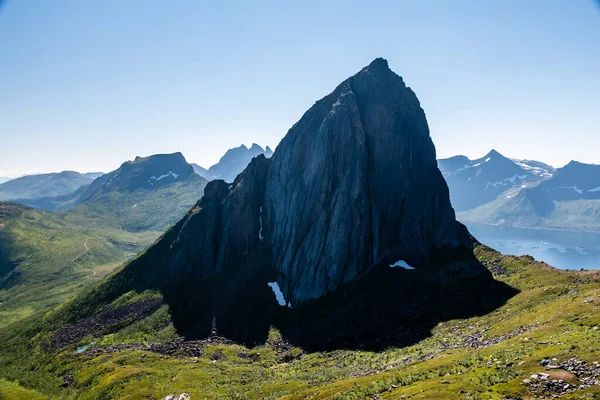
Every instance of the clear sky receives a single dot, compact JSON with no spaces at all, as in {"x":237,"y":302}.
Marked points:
{"x":86,"y":85}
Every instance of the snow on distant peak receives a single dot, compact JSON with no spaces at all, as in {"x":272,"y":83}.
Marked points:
{"x":539,"y":171}
{"x":401,"y":264}
{"x":170,"y":173}
{"x":595,"y":189}
{"x":278,"y":294}
{"x":568,"y":187}
{"x":504,"y":182}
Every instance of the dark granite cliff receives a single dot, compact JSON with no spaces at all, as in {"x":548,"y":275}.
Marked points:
{"x":354,"y":184}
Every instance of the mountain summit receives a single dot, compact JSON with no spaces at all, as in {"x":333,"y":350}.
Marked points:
{"x":355,"y":184}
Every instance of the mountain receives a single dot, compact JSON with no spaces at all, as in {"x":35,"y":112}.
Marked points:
{"x":569,"y":200}
{"x":574,"y":181}
{"x":350,"y":211}
{"x":358,"y":171}
{"x":148,"y":193}
{"x":4,"y":179}
{"x":43,"y":185}
{"x":235,"y":161}
{"x":44,"y":260}
{"x":93,"y":175}
{"x":476,"y":182}
{"x":203,"y":172}
{"x":539,"y":168}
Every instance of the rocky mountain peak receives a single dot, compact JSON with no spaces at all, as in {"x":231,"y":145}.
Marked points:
{"x":494,"y":153}
{"x":354,"y":185}
{"x":150,"y":172}
{"x":358,"y":172}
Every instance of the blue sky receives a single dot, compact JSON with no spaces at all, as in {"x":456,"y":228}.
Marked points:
{"x":86,"y":85}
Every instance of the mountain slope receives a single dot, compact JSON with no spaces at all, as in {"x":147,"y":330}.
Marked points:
{"x":536,"y":167}
{"x":476,"y":182}
{"x":203,"y":172}
{"x":148,"y":193}
{"x":569,"y":200}
{"x":548,"y":327}
{"x":44,"y":260}
{"x":575,"y":181}
{"x":43,"y":185}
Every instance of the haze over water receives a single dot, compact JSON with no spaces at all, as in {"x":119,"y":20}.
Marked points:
{"x":561,"y":249}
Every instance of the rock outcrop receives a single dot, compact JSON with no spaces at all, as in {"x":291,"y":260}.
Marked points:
{"x":353,"y":185}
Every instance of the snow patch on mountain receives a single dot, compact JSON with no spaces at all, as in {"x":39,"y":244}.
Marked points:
{"x":541,"y":172}
{"x":170,"y":173}
{"x":401,"y":264}
{"x":568,"y":187}
{"x":278,"y":293}
{"x":504,"y":182}
{"x":260,"y":235}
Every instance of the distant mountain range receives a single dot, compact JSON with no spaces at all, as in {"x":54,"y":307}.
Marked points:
{"x":232,"y":163}
{"x":148,"y":193}
{"x":523,"y":193}
{"x":476,"y":182}
{"x":44,"y":185}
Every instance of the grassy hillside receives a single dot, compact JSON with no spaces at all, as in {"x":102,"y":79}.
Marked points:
{"x":43,"y":185}
{"x":139,"y":210}
{"x":554,"y":315}
{"x":44,"y":259}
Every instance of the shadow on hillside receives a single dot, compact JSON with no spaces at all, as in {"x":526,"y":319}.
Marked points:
{"x":387,"y":307}
{"x":8,"y":275}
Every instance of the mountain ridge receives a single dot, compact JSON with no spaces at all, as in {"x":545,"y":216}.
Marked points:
{"x":476,"y":182}
{"x":569,"y":200}
{"x":133,"y":196}
{"x":42,"y":185}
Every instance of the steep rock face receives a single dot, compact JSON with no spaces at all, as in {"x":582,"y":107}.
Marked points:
{"x":222,"y":230}
{"x":354,"y":184}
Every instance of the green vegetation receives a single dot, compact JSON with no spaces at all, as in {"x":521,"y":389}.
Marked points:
{"x":138,"y":210}
{"x":42,"y":185}
{"x":45,"y":260}
{"x":12,"y":391}
{"x":555,"y":315}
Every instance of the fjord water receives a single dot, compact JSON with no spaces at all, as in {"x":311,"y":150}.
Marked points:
{"x":561,"y":249}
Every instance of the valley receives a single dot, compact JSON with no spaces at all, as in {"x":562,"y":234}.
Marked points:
{"x":45,"y":260}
